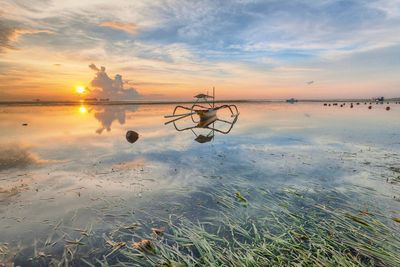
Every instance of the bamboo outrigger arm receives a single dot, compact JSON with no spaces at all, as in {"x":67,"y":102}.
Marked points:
{"x":207,"y":117}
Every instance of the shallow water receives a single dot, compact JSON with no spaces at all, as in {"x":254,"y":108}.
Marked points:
{"x":71,"y":167}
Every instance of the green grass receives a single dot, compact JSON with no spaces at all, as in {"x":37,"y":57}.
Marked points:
{"x":286,"y":228}
{"x":234,"y":225}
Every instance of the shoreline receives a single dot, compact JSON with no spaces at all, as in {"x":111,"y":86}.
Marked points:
{"x":101,"y":103}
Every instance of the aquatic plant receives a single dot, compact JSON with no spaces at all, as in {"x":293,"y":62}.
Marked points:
{"x":230,"y":224}
{"x":289,"y":227}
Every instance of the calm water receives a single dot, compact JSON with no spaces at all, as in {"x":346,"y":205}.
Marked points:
{"x":71,"y":167}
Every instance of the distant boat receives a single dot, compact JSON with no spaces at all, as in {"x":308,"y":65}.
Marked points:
{"x":104,"y":99}
{"x":379,"y":99}
{"x":90,"y":99}
{"x":291,"y":100}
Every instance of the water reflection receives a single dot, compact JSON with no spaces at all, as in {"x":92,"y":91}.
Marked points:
{"x":16,"y":156}
{"x":205,"y":117}
{"x":82,"y":109}
{"x":107,"y":114}
{"x":98,"y":180}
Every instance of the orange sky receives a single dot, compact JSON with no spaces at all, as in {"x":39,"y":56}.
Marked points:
{"x":165,"y":50}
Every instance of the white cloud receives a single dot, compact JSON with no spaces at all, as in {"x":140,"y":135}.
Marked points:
{"x":106,"y":87}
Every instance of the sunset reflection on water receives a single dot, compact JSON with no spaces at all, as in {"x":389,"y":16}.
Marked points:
{"x":72,"y":160}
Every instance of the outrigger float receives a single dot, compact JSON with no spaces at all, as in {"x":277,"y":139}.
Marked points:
{"x":204,"y":114}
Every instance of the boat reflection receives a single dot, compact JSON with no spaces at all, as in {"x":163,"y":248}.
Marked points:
{"x":203,"y":117}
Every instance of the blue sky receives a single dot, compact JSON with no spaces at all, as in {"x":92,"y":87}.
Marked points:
{"x":172,"y":49}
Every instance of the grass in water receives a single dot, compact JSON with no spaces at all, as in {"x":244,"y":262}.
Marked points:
{"x":233,"y":225}
{"x":285,"y":228}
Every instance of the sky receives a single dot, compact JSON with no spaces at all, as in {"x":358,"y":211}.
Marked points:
{"x":170,"y":49}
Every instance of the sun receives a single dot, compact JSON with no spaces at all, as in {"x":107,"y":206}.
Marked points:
{"x":80,"y":89}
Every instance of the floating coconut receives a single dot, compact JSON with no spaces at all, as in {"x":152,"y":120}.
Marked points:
{"x":132,"y":136}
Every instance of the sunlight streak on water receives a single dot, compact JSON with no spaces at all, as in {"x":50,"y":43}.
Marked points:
{"x":75,"y":159}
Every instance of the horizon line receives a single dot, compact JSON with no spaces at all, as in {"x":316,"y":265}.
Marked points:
{"x":155,"y":102}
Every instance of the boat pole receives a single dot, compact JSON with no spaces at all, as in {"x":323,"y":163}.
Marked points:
{"x":213,"y":96}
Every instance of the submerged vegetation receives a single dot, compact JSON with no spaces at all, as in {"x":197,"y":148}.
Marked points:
{"x":279,"y":200}
{"x":240,"y":226}
{"x":290,"y":227}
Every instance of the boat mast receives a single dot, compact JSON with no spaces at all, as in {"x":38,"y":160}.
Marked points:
{"x":213,"y":96}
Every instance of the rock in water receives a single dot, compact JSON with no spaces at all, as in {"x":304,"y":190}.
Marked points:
{"x":132,"y":136}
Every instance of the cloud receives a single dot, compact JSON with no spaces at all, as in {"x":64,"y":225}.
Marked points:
{"x":5,"y":38}
{"x":192,"y":43}
{"x":9,"y":35}
{"x":106,"y":87}
{"x":93,"y":67}
{"x":121,"y":26}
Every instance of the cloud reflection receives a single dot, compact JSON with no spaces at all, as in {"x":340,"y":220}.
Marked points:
{"x":106,"y":115}
{"x":17,"y":156}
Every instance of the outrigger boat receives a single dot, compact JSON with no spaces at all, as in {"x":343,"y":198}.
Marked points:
{"x":204,"y":114}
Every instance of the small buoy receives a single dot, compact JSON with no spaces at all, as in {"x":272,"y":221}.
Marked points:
{"x":132,"y":136}
{"x":329,"y":104}
{"x":387,"y":108}
{"x":370,"y":107}
{"x":24,"y":124}
{"x":351,"y":106}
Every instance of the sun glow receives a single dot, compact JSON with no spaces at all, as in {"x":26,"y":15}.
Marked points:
{"x":80,"y":89}
{"x":82,"y":109}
